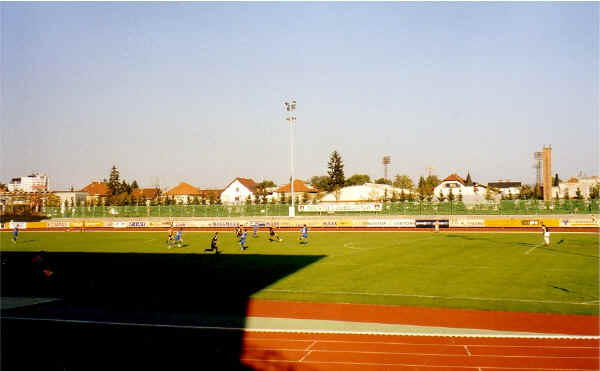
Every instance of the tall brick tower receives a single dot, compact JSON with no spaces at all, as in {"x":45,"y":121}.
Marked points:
{"x":547,"y":173}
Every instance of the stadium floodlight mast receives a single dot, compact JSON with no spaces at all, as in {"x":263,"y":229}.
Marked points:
{"x":290,"y":107}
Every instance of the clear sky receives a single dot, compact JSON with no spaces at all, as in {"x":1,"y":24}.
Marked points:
{"x":194,"y":92}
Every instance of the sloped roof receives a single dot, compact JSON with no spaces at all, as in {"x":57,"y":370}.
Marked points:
{"x":246,"y":182}
{"x":148,"y":193}
{"x":214,"y":192}
{"x":183,"y":189}
{"x":456,"y":178}
{"x":299,"y":186}
{"x":96,"y":188}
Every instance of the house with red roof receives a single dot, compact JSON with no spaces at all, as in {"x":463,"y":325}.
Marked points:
{"x":238,"y":191}
{"x":471,"y":192}
{"x":183,"y":193}
{"x":300,"y":189}
{"x":96,"y":190}
{"x":144,"y":194}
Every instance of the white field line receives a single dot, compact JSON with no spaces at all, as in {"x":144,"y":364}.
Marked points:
{"x":303,"y":331}
{"x":426,"y":296}
{"x":531,"y":249}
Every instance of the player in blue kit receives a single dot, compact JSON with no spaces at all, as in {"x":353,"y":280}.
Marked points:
{"x":243,"y":240}
{"x":255,"y":229}
{"x":15,"y":233}
{"x":179,"y":238}
{"x":304,"y":235}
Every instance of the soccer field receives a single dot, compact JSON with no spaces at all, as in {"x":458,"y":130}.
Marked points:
{"x":489,"y":271}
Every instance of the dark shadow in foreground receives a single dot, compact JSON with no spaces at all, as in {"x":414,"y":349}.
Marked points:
{"x":182,"y":291}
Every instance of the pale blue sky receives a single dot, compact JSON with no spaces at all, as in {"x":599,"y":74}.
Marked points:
{"x":194,"y":92}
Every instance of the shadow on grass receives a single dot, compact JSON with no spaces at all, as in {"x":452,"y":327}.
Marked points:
{"x":183,"y":291}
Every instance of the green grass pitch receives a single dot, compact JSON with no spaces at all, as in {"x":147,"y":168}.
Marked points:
{"x":487,"y":271}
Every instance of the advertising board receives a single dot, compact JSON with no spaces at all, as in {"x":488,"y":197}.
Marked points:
{"x":58,"y":224}
{"x":519,"y":222}
{"x":430,"y":223}
{"x":20,"y":225}
{"x":580,"y":222}
{"x":390,"y":222}
{"x":459,"y":222}
{"x":37,"y":225}
{"x":137,"y":224}
{"x":119,"y":224}
{"x":371,"y":206}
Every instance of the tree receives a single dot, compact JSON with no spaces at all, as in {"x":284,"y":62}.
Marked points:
{"x":578,"y":195}
{"x":566,"y":195}
{"x":537,"y":192}
{"x":421,"y":188}
{"x":441,"y":196}
{"x":403,"y":181}
{"x":383,"y":181}
{"x":358,"y":179}
{"x":113,"y":181}
{"x":525,"y":192}
{"x":488,"y":194}
{"x":124,"y":187}
{"x":335,"y":171}
{"x":320,"y":182}
{"x":450,"y":195}
{"x":594,"y":192}
{"x":556,"y":180}
{"x":432,"y":181}
{"x":134,"y":185}
{"x":468,"y":181}
{"x":265,"y":184}
{"x":460,"y":196}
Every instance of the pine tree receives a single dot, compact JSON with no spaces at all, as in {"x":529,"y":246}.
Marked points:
{"x":336,"y":171}
{"x":555,"y":181}
{"x":134,"y":185}
{"x":450,"y":195}
{"x":113,"y":181}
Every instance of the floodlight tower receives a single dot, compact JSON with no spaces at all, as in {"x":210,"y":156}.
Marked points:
{"x":538,"y":157}
{"x":290,"y":107}
{"x":387,"y":160}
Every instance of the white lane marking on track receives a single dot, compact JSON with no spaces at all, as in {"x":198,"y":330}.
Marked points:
{"x":363,"y":364}
{"x":425,"y":296}
{"x":304,"y":331}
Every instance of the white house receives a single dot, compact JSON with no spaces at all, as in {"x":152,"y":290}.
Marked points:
{"x":73,"y":198}
{"x":238,"y":190}
{"x":584,"y":184}
{"x":507,"y":187}
{"x":30,"y":183}
{"x":458,"y":186}
{"x":364,"y":192}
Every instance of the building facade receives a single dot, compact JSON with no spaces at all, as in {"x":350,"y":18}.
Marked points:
{"x":238,"y":191}
{"x":30,"y":183}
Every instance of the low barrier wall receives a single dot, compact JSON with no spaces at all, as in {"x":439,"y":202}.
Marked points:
{"x":470,"y":222}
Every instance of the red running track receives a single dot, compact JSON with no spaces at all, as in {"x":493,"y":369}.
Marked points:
{"x":325,"y":352}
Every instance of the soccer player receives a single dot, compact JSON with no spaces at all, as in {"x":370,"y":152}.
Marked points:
{"x":303,"y":234}
{"x":238,"y":231}
{"x":255,"y":229}
{"x":546,"y":235}
{"x":436,"y":224}
{"x":178,"y":238}
{"x":273,"y":236}
{"x":170,"y":238}
{"x":243,"y":240}
{"x":15,"y":233}
{"x":214,"y":243}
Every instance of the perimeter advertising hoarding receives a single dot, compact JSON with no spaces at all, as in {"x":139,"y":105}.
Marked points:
{"x":580,"y":222}
{"x":390,"y":223}
{"x":88,"y":223}
{"x":20,"y":225}
{"x":119,"y":224}
{"x":58,"y":224}
{"x":457,"y":222}
{"x":340,"y":207}
{"x":430,"y":223}
{"x":37,"y":224}
{"x":518,"y":222}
